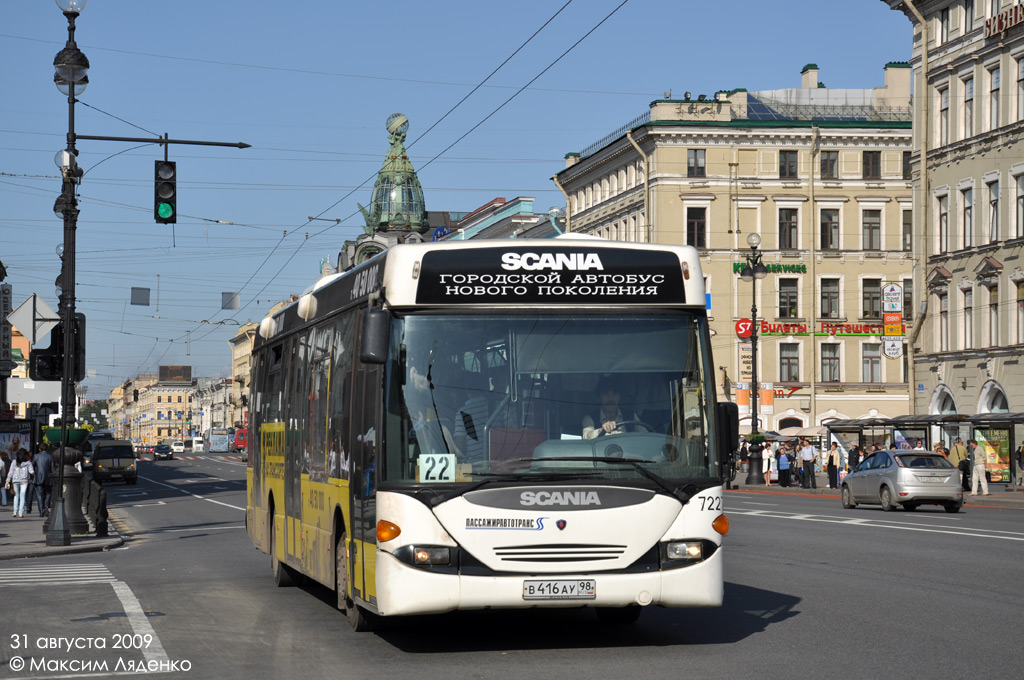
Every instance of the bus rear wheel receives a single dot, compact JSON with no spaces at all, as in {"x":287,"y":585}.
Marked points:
{"x":360,"y":619}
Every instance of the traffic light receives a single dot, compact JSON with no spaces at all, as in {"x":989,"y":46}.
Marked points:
{"x":48,"y":364}
{"x":188,"y":421}
{"x":165,"y":201}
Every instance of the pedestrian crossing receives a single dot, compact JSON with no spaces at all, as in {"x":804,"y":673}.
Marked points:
{"x":68,"y":574}
{"x":237,"y":459}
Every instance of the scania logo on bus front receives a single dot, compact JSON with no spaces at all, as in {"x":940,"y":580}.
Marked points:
{"x":553,"y":261}
{"x":559,"y":498}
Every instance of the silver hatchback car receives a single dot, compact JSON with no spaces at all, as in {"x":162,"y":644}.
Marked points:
{"x":907,"y":478}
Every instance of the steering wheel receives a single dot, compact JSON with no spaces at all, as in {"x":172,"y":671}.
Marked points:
{"x":623,"y":423}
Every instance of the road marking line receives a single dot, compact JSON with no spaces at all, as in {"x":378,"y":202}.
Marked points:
{"x":194,"y":495}
{"x":885,"y":524}
{"x":139,"y":621}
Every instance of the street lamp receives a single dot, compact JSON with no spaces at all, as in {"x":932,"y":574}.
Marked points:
{"x":70,"y":78}
{"x":753,"y":270}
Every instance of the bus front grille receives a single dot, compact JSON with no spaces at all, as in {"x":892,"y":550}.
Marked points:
{"x":567,"y":552}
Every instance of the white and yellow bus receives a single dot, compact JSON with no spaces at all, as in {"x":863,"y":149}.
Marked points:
{"x":494,"y":424}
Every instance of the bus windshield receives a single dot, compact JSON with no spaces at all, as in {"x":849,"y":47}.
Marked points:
{"x":529,"y":397}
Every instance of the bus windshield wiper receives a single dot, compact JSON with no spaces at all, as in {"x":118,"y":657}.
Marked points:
{"x":491,"y":477}
{"x":683,"y":495}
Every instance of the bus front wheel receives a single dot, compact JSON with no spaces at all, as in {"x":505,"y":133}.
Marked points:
{"x":360,"y":619}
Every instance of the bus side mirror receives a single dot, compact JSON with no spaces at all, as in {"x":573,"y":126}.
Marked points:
{"x":373,"y":347}
{"x":728,"y":430}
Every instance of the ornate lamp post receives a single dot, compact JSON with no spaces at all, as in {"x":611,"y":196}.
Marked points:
{"x":753,"y":270}
{"x":70,"y":78}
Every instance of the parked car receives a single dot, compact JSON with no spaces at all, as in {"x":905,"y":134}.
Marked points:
{"x":163,"y":452}
{"x":178,"y":447}
{"x":114,"y":460}
{"x":907,"y":478}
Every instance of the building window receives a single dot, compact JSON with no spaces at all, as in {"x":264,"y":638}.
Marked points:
{"x":830,"y":298}
{"x":830,"y":362}
{"x":969,"y":108}
{"x":993,"y":98}
{"x":1018,"y":183}
{"x":829,"y":229}
{"x":967,"y":216}
{"x":943,"y":323}
{"x":787,"y":228}
{"x":968,"y":15}
{"x":871,"y":295}
{"x":158,"y":398}
{"x":943,"y":116}
{"x":993,"y":316}
{"x":993,"y":211}
{"x":788,"y":299}
{"x":1020,"y":313}
{"x":908,"y":230}
{"x":871,"y":362}
{"x":787,"y":164}
{"x":907,"y":172}
{"x":696,"y":227}
{"x":872,"y":165}
{"x":695,"y":163}
{"x":830,"y":165}
{"x":944,"y":25}
{"x":993,"y":7}
{"x":1020,"y":89}
{"x":968,"y":339}
{"x":872,"y":225}
{"x":789,"y":362}
{"x":943,"y":223}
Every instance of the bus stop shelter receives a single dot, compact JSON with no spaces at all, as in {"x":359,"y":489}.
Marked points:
{"x":997,"y":434}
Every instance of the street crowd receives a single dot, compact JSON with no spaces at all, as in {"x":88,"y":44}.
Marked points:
{"x":27,"y":480}
{"x":794,"y":462}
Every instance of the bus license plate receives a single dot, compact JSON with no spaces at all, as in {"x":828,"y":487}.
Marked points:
{"x":559,"y":590}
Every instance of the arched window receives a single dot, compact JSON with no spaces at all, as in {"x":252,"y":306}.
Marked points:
{"x":790,"y":422}
{"x":993,"y":399}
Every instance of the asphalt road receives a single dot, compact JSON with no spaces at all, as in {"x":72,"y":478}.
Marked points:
{"x":812,"y":590}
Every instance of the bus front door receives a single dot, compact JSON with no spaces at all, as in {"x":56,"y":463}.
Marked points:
{"x":365,"y":439}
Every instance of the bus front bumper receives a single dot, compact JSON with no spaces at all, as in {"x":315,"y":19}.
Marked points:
{"x":403,"y":590}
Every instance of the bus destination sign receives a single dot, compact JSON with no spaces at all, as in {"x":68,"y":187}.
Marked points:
{"x":548,"y":275}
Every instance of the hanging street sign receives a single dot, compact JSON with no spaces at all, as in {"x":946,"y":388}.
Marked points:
{"x":892,"y":324}
{"x":892,"y":347}
{"x":892,"y":297}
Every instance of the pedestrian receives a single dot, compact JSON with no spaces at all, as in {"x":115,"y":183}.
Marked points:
{"x":854,"y":459}
{"x":832,"y":460}
{"x":30,"y":491}
{"x":960,"y":457}
{"x":42,"y":480}
{"x":767,"y":465}
{"x":1020,"y":462}
{"x":4,"y":465}
{"x":808,"y":456}
{"x":18,"y":478}
{"x":977,"y":469}
{"x":783,"y":464}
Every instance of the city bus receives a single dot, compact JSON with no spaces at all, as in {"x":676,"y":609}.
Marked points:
{"x":494,"y":424}
{"x":218,"y":440}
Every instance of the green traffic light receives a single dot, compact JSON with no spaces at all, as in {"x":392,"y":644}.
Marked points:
{"x":165,"y":210}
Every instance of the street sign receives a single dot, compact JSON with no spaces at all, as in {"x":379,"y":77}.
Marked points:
{"x":892,"y":347}
{"x":892,"y":324}
{"x":6,"y":363}
{"x":33,"y":318}
{"x":892,"y":297}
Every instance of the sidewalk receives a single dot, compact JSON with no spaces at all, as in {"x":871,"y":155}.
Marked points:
{"x":1001,"y":495}
{"x":24,"y":537}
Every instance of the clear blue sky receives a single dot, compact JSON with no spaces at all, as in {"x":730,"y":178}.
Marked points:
{"x":309,"y":84}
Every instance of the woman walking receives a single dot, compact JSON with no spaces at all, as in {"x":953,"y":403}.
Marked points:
{"x":18,"y":477}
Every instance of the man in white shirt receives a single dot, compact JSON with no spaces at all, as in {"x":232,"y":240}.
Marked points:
{"x":808,"y":454}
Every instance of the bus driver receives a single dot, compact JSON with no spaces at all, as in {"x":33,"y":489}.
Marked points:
{"x":610,"y":416}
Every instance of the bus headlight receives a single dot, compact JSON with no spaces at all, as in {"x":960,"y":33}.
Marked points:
{"x":430,"y":555}
{"x":685,"y":550}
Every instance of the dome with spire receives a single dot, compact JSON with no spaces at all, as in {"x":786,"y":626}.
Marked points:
{"x":397,"y":201}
